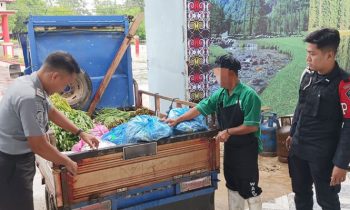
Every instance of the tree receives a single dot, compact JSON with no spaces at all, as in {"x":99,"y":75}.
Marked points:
{"x":59,"y":10}
{"x":131,"y":7}
{"x":217,"y":17}
{"x":78,"y":6}
{"x":329,"y":13}
{"x":24,"y":9}
{"x":250,"y":17}
{"x":262,"y":18}
{"x":135,"y":3}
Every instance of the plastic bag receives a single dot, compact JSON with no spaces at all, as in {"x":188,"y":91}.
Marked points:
{"x":98,"y":131}
{"x":146,"y":128}
{"x":102,"y":144}
{"x":116,"y":135}
{"x":194,"y":125}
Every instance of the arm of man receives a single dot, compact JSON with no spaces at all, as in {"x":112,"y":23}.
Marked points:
{"x":341,"y":158}
{"x":62,"y":121}
{"x":293,"y":126}
{"x":243,"y":129}
{"x":251,"y":108}
{"x":41,"y":146}
{"x":31,"y":112}
{"x":295,"y":119}
{"x":296,"y":115}
{"x":192,"y":113}
{"x":240,"y":130}
{"x":204,"y":107}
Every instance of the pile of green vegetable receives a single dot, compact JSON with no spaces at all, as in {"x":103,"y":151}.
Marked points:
{"x":111,"y":117}
{"x":65,"y":140}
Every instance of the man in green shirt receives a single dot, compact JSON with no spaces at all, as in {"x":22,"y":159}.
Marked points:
{"x":238,"y":112}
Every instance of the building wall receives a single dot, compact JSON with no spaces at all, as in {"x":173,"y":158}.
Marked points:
{"x":165,"y":24}
{"x":2,"y":6}
{"x":177,"y":45}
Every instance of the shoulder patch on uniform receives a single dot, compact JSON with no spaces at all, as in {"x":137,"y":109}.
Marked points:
{"x":348,"y":93}
{"x":40,"y":93}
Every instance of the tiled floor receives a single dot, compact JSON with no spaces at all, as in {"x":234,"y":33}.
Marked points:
{"x":286,"y":202}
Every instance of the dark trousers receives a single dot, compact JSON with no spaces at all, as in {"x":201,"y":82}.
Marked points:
{"x":16,"y":181}
{"x":305,"y":173}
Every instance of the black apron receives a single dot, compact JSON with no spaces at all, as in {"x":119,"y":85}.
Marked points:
{"x":240,"y":153}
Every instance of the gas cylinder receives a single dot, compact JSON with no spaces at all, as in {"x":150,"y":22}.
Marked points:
{"x":282,"y":134}
{"x":268,"y":126}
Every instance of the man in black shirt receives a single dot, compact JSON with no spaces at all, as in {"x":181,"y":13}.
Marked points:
{"x":319,"y":147}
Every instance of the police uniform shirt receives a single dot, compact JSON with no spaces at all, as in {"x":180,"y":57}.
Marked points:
{"x":317,"y":119}
{"x":23,"y":113}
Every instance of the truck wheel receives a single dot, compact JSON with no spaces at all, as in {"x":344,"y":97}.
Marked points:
{"x":50,"y":204}
{"x":78,"y":93}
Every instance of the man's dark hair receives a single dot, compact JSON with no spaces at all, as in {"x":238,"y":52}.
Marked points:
{"x":61,"y":60}
{"x":227,"y":61}
{"x":326,"y":38}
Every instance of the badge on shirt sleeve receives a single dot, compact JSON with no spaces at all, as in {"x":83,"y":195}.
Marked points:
{"x":40,"y":93}
{"x":41,"y":115}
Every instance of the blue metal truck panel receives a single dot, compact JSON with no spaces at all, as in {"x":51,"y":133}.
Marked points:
{"x":160,"y":194}
{"x":93,"y":41}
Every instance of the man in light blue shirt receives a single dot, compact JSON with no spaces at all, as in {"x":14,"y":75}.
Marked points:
{"x":24,"y":116}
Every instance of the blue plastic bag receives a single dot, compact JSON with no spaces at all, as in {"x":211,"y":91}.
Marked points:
{"x":116,"y":135}
{"x":194,"y":125}
{"x":146,"y":128}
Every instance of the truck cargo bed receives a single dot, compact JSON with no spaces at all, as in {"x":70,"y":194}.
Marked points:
{"x":105,"y":171}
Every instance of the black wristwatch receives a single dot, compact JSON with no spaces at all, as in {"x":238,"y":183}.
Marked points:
{"x":79,"y":132}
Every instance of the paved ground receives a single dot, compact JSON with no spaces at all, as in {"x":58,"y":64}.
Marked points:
{"x":5,"y":79}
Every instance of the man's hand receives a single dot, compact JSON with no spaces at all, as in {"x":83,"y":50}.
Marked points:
{"x":288,"y":142}
{"x":171,"y":122}
{"x":91,"y":140}
{"x":338,"y":176}
{"x":222,"y":136}
{"x":189,"y":115}
{"x":62,"y":121}
{"x":41,"y":146}
{"x":72,"y":167}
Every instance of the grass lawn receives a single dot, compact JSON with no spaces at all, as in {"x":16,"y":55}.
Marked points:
{"x":282,"y":92}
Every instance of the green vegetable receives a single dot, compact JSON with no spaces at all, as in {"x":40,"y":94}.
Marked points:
{"x":60,"y":103}
{"x":65,"y":140}
{"x":111,"y":117}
